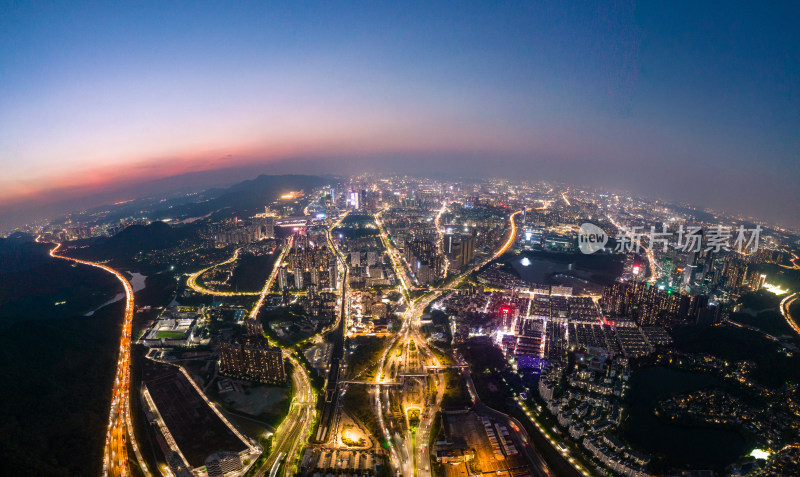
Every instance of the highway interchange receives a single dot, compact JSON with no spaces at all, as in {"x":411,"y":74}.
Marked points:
{"x":410,"y":453}
{"x":407,"y":366}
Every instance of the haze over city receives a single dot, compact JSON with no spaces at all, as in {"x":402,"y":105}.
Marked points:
{"x":382,"y":239}
{"x":652,"y":97}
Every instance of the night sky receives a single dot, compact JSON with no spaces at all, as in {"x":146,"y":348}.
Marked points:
{"x":687,"y":101}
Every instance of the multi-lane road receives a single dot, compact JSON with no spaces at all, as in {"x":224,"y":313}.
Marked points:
{"x":268,"y":285}
{"x":120,"y":429}
{"x":786,"y":303}
{"x":191,"y":282}
{"x":410,"y":455}
{"x":395,"y":259}
{"x":293,"y":432}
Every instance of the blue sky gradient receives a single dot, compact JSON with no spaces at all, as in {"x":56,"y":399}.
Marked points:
{"x":692,"y":101}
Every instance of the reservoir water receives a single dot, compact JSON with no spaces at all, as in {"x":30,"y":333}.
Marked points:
{"x":699,"y":447}
{"x":585,"y":273}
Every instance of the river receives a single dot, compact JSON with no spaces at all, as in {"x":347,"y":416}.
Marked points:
{"x":137,"y":283}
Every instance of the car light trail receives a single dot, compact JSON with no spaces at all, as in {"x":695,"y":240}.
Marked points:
{"x":264,"y":291}
{"x":784,"y":307}
{"x":410,"y":330}
{"x":192,"y":281}
{"x":120,"y":429}
{"x":511,"y":236}
{"x":294,"y":430}
{"x":440,"y":231}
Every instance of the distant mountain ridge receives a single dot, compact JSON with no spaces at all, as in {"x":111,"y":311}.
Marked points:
{"x":157,"y":235}
{"x":242,"y":199}
{"x":252,"y":195}
{"x":248,"y":197}
{"x":16,"y":253}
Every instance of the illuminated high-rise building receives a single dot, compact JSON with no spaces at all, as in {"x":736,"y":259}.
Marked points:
{"x":425,"y":260}
{"x":252,"y":358}
{"x":467,"y":248}
{"x":268,"y":227}
{"x":757,"y":281}
{"x":282,"y":282}
{"x":333,"y":274}
{"x":644,"y":303}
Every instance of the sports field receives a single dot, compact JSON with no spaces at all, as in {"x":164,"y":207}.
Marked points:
{"x":170,"y":335}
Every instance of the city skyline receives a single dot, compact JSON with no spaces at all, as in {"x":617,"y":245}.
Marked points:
{"x":385,"y":239}
{"x":656,"y":99}
{"x":415,"y":326}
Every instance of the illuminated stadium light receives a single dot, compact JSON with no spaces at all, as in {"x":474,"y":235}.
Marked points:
{"x":775,"y":289}
{"x":760,"y":454}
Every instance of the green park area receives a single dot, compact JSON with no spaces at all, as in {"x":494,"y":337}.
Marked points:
{"x":455,"y":392}
{"x":357,"y":402}
{"x":413,"y":418}
{"x":365,"y":352}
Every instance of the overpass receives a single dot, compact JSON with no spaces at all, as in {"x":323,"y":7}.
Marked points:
{"x":452,"y":366}
{"x":372,"y":383}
